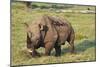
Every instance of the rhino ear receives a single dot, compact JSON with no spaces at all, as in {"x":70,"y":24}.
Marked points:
{"x":42,"y":23}
{"x":26,"y":25}
{"x":41,"y":27}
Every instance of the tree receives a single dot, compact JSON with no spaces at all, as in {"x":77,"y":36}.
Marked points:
{"x":28,"y":4}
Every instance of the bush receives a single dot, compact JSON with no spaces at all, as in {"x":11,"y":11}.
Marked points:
{"x":34,"y":6}
{"x":80,"y":36}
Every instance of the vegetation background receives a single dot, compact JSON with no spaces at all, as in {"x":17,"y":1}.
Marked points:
{"x":82,"y":19}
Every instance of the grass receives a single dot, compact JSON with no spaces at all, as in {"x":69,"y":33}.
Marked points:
{"x":83,"y":24}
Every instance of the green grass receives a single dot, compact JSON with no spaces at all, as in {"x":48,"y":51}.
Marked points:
{"x":83,"y":24}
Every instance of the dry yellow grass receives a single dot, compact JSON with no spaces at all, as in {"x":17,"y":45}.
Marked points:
{"x":83,"y":24}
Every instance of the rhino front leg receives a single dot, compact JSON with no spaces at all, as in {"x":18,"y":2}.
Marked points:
{"x":48,"y":48}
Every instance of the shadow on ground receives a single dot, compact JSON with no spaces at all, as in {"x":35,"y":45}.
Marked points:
{"x":81,"y":47}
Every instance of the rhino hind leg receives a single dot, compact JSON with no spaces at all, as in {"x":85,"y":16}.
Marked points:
{"x":58,"y":50}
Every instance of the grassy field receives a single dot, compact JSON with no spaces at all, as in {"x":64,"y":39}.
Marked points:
{"x":83,"y":24}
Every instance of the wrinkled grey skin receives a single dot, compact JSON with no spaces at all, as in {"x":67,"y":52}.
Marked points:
{"x":49,"y":32}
